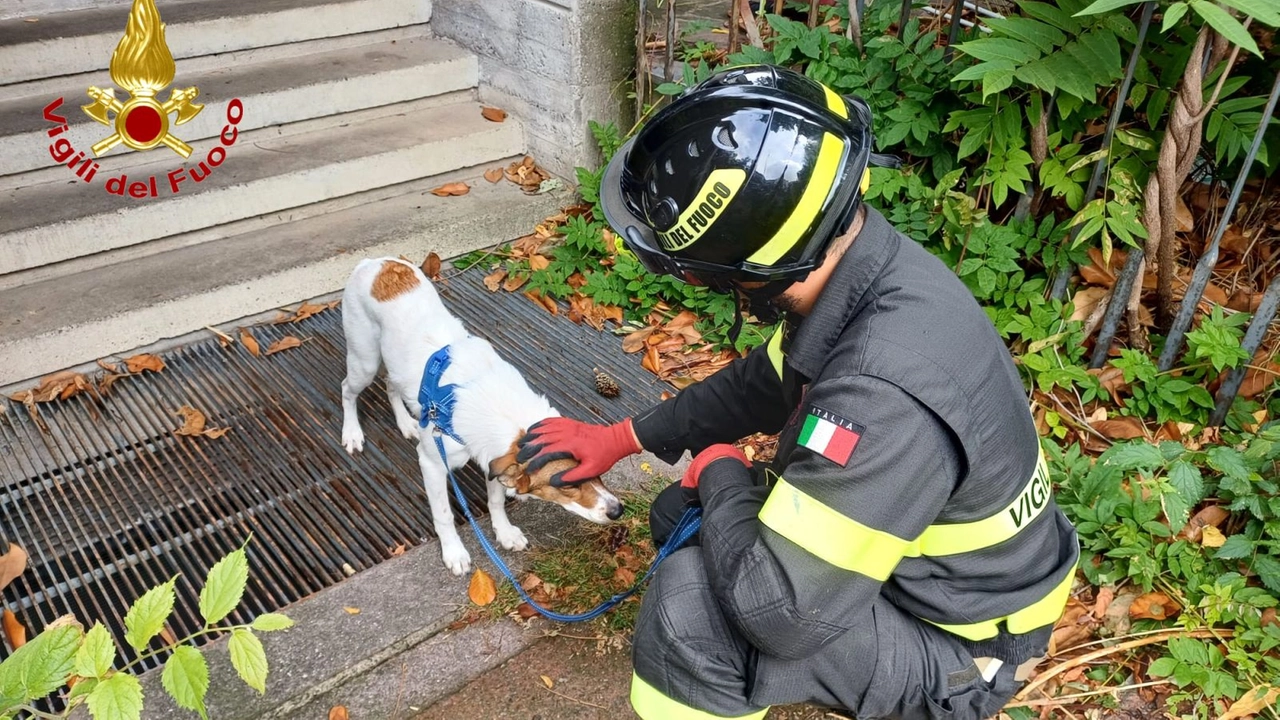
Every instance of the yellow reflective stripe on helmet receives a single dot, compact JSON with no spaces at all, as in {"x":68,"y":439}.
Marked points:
{"x":1044,"y":611}
{"x":774,"y":349}
{"x":958,"y":538}
{"x":829,"y":535}
{"x":866,"y":181}
{"x":821,"y":181}
{"x":836,"y":103}
{"x":650,"y":704}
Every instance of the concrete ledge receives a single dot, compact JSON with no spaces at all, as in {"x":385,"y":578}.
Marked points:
{"x":274,"y":92}
{"x":58,"y":220}
{"x":64,"y":321}
{"x":81,"y":41}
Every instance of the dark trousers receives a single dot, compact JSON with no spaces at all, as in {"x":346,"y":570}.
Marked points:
{"x":897,"y":666}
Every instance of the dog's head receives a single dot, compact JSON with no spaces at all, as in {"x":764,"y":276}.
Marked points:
{"x":589,"y":499}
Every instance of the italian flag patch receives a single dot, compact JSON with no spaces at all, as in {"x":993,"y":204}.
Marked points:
{"x":829,"y":435}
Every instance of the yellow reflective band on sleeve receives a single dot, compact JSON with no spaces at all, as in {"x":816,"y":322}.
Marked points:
{"x":1044,"y":611}
{"x":958,"y":538}
{"x":650,"y":704}
{"x":821,"y":182}
{"x":774,"y":349}
{"x":829,"y":535}
{"x":836,"y":103}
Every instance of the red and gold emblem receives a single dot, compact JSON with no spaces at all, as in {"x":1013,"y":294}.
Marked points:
{"x":143,"y":66}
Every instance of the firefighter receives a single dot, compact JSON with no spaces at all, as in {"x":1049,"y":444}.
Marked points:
{"x":901,"y":556}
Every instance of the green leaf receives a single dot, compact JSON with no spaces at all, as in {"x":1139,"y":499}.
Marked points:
{"x":186,"y":678}
{"x":269,"y":622}
{"x":1163,"y":667}
{"x":1185,"y":478}
{"x":670,"y":88}
{"x":1000,"y":49}
{"x":1268,"y":569}
{"x":1173,"y":15}
{"x":1042,"y":35}
{"x":249,"y":659}
{"x":1051,"y":15}
{"x":1236,"y":547}
{"x":82,"y":688}
{"x":1228,"y":461}
{"x":1176,"y":509}
{"x":1136,"y":454}
{"x":119,"y":697}
{"x":42,"y":665}
{"x":146,"y":618}
{"x":995,"y":81}
{"x":1227,"y":26}
{"x":224,"y":586}
{"x":95,"y":656}
{"x":1101,"y":6}
{"x":1266,"y":11}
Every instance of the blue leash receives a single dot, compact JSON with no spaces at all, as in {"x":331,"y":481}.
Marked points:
{"x":437,"y":410}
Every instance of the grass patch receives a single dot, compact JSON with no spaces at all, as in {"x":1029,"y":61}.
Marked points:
{"x":590,"y":565}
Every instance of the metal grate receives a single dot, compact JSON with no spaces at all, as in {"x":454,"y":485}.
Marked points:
{"x":109,"y":502}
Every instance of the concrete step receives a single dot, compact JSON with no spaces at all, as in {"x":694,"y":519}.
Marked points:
{"x":80,"y":41}
{"x":274,"y":91}
{"x":65,"y":321}
{"x":261,"y":173}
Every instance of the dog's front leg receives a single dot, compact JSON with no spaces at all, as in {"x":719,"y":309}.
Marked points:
{"x":509,"y":535}
{"x":436,"y":480}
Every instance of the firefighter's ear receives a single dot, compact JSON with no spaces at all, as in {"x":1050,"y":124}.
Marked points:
{"x":509,"y":472}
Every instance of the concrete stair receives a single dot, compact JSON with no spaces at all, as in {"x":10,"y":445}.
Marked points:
{"x":352,"y":112}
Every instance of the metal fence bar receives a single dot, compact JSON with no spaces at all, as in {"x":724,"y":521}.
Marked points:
{"x":956,"y":11}
{"x":904,"y":17}
{"x":1115,"y":308}
{"x":1204,"y":267}
{"x":1252,"y":341}
{"x":1059,"y":289}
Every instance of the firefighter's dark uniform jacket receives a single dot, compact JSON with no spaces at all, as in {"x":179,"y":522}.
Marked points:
{"x":943,"y":508}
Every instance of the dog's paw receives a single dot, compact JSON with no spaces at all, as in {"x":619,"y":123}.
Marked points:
{"x":456,"y":557}
{"x":511,"y":538}
{"x":353,"y":440}
{"x":410,"y":431}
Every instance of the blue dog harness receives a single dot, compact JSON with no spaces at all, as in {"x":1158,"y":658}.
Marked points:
{"x":437,"y":411}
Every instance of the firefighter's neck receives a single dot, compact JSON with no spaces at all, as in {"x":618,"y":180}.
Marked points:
{"x":799,"y":298}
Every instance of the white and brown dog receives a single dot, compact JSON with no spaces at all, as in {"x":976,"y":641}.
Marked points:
{"x":392,"y":316}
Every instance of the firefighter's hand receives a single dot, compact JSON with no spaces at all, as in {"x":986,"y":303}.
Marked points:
{"x":689,"y":484}
{"x":596,"y":447}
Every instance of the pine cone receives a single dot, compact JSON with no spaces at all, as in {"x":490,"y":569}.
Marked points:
{"x":606,"y":385}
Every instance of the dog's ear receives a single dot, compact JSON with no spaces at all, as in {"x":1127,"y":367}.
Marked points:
{"x":509,"y":472}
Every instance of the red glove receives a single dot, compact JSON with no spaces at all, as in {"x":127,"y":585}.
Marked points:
{"x":705,"y":458}
{"x":596,"y":447}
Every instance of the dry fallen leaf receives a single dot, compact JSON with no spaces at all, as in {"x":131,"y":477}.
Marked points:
{"x":1269,"y":618}
{"x":193,"y":423}
{"x":1212,"y":537}
{"x":15,"y":633}
{"x":493,"y":280}
{"x":1102,"y":601}
{"x":1121,"y":428}
{"x":306,"y":310}
{"x":539,"y":262}
{"x":526,"y":611}
{"x":398,"y":550}
{"x":493,"y":114}
{"x":166,"y":634}
{"x":547,"y":681}
{"x":1153,"y":606}
{"x":493,"y":175}
{"x":636,"y":341}
{"x":1252,"y":702}
{"x":250,"y":344}
{"x":139,"y":363}
{"x":1086,"y":300}
{"x":1211,"y":516}
{"x":1182,"y":216}
{"x":481,"y":590}
{"x":515,"y":282}
{"x":454,"y":188}
{"x":285,"y":343}
{"x":12,"y":564}
{"x":530,"y":582}
{"x":352,"y":610}
{"x":431,"y":267}
{"x":58,"y":386}
{"x":338,"y":712}
{"x":626,"y":577}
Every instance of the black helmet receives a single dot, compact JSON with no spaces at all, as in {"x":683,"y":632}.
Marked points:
{"x":746,"y":177}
